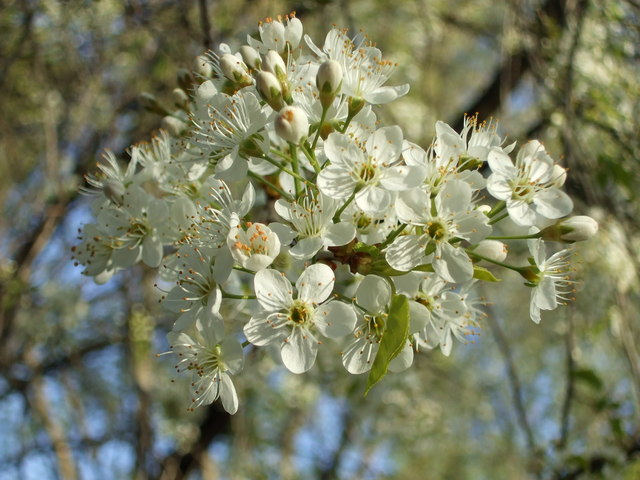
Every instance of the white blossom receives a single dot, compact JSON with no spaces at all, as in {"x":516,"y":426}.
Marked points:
{"x":294,"y":320}
{"x":528,"y":187}
{"x":211,"y":362}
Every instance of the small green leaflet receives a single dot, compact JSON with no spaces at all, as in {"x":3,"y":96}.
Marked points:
{"x":482,"y":273}
{"x":393,"y":339}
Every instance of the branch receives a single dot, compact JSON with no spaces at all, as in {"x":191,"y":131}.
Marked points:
{"x":348,"y":422}
{"x":569,"y":391}
{"x":597,"y":462}
{"x":61,"y":447}
{"x":512,"y":69}
{"x":177,"y":466}
{"x":205,"y":25}
{"x":514,"y":383}
{"x":27,"y":23}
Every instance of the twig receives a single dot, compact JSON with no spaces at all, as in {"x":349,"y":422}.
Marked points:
{"x":205,"y":24}
{"x":569,"y":391}
{"x":13,"y":56}
{"x":177,"y":466}
{"x":514,"y":383}
{"x":330,"y":471}
{"x":61,"y":447}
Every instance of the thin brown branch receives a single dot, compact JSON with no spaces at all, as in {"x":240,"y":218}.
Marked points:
{"x":513,"y":68}
{"x":177,"y":466}
{"x":597,"y":462}
{"x":62,"y":449}
{"x":207,"y":41}
{"x":514,"y":383}
{"x":27,"y":23}
{"x":570,"y":382}
{"x":330,"y":470}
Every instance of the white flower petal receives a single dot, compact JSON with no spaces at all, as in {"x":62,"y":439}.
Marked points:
{"x":335,"y":181}
{"x":315,"y":284}
{"x":299,"y":350}
{"x":335,"y":319}
{"x":452,"y":263}
{"x":499,"y":187}
{"x":228,"y":394}
{"x":260,"y":329}
{"x":553,"y":203}
{"x":359,"y":355}
{"x":152,"y":251}
{"x":404,"y":177}
{"x":373,"y":200}
{"x":500,"y":164}
{"x":386,"y":94}
{"x":403,"y":360}
{"x":373,"y":294}
{"x":454,"y":196}
{"x":339,"y":234}
{"x":306,"y":248}
{"x":406,"y":252}
{"x":385,"y":145}
{"x":273,"y":290}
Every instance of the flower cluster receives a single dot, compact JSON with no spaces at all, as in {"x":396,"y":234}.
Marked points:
{"x":274,"y":193}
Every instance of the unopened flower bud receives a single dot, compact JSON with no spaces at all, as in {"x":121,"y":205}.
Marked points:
{"x":355,"y":105}
{"x":492,"y":249}
{"x":272,"y":62}
{"x":185,"y":79}
{"x":484,"y":208}
{"x":202,"y":66}
{"x":180,"y":98}
{"x":113,"y":190}
{"x":250,"y":57}
{"x":150,"y":102}
{"x":570,"y":230}
{"x":329,"y":81}
{"x":270,"y":90}
{"x":235,"y":70}
{"x":559,"y":175}
{"x":292,"y":124}
{"x":174,"y":126}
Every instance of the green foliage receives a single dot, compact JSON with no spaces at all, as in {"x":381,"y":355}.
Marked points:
{"x":394,"y":339}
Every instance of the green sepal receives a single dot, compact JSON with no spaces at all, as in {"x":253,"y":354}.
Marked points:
{"x":482,"y":273}
{"x":393,"y":339}
{"x":376,"y":264}
{"x":427,"y":267}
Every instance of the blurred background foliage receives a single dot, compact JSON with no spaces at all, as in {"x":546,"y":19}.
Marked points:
{"x":81,"y":392}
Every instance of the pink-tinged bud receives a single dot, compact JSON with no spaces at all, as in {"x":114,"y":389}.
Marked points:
{"x":329,"y":81}
{"x":292,"y":124}
{"x":559,"y":175}
{"x":235,"y":70}
{"x":492,"y":249}
{"x":250,"y":57}
{"x":270,"y":90}
{"x":572,"y":229}
{"x":272,"y":62}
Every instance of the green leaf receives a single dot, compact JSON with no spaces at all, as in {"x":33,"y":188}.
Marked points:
{"x":482,"y":273}
{"x":589,"y":377}
{"x":423,"y":268}
{"x":393,"y":339}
